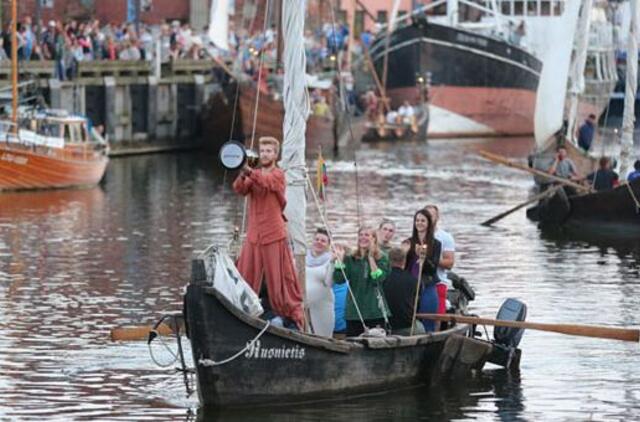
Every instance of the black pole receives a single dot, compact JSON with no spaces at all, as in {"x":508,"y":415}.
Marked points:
{"x":36,"y":28}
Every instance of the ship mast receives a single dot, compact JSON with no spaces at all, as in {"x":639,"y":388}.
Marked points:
{"x":628,"y":117}
{"x":14,"y":64}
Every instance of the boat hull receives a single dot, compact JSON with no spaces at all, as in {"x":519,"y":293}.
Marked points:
{"x":479,"y":86}
{"x":614,"y":210}
{"x":284,"y":366}
{"x":23,"y":168}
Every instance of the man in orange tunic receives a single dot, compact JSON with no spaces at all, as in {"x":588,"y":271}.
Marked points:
{"x":265,"y":252}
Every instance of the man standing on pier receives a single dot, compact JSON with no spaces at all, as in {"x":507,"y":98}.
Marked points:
{"x":265,"y":252}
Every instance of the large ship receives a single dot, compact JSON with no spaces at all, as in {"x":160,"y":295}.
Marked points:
{"x":484,"y":62}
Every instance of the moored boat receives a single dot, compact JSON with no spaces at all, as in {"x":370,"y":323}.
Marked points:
{"x":270,"y":115}
{"x":416,"y":130}
{"x":481,"y":85}
{"x":50,"y":150}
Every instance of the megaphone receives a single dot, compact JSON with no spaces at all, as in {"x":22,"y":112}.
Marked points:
{"x":233,"y":155}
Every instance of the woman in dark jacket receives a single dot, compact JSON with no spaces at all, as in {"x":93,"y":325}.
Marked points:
{"x":423,"y":243}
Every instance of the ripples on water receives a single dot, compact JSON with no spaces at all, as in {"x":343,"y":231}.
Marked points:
{"x":74,"y":264}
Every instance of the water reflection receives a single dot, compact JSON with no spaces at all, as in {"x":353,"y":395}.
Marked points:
{"x":74,"y":264}
{"x":496,"y":392}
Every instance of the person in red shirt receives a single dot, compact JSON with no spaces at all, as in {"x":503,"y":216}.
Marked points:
{"x":265,"y":252}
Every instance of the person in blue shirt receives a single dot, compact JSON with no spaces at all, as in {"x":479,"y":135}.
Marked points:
{"x":635,"y":174}
{"x":586,"y":132}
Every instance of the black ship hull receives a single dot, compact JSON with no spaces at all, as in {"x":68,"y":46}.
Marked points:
{"x":479,"y":85}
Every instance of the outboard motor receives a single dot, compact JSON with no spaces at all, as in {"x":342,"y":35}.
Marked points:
{"x":511,"y":310}
{"x":506,"y":339}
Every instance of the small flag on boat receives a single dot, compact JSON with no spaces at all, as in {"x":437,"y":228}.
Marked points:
{"x":321,"y":177}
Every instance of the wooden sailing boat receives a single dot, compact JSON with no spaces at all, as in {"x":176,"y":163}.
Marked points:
{"x":241,"y":359}
{"x":617,"y":208}
{"x":42,"y":149}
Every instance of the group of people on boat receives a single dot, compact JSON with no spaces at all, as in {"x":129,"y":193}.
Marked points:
{"x":375,"y":284}
{"x":603,"y":178}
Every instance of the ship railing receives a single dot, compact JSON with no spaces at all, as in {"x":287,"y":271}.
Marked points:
{"x":8,"y":132}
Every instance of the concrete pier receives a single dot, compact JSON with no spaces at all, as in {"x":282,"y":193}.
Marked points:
{"x":140,"y":110}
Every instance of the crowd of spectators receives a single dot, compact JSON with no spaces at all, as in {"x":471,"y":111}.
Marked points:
{"x":71,"y":42}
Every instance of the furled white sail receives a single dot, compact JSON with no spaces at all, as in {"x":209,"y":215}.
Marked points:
{"x":552,"y":88}
{"x":394,"y":16}
{"x":577,"y":67}
{"x":631,"y":87}
{"x":219,"y":24}
{"x":296,"y":111}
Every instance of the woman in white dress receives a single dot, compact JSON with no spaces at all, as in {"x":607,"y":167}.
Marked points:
{"x":319,"y":275}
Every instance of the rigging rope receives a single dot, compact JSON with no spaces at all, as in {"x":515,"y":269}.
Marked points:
{"x":255,"y":108}
{"x":633,"y":196}
{"x":325,"y":223}
{"x":260,"y":66}
{"x":345,"y":108}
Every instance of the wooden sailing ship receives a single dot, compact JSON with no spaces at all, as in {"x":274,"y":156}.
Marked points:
{"x":43,"y":149}
{"x":616,"y":209}
{"x":321,"y":131}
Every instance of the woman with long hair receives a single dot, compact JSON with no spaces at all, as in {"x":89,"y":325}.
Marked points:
{"x":423,"y":246}
{"x":365,"y":269}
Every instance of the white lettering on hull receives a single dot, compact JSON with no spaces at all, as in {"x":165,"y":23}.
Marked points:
{"x":16,"y":159}
{"x":256,"y":351}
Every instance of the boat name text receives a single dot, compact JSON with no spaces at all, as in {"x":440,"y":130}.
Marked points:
{"x":470,"y":39}
{"x":256,"y":351}
{"x":14,"y":158}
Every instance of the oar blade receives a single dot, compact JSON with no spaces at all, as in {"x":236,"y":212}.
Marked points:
{"x":138,"y":333}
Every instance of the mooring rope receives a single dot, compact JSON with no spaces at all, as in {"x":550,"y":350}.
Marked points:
{"x":210,"y":362}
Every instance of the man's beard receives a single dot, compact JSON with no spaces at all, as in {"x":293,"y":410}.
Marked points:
{"x":267,"y":164}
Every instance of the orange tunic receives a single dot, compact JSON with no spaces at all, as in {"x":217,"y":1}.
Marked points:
{"x":265,"y":253}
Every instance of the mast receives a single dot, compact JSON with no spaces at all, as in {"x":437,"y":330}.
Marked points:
{"x":452,"y":12}
{"x":387,"y":41}
{"x":631,"y":87}
{"x":578,"y":65}
{"x":552,"y":88}
{"x":296,"y":111}
{"x":14,"y":64}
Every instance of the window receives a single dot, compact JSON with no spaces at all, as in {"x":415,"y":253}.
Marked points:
{"x":359,"y":24}
{"x":46,"y":3}
{"x":342,"y":16}
{"x":518,"y":8}
{"x":382,"y":16}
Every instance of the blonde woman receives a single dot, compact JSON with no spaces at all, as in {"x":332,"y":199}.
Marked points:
{"x":365,"y":269}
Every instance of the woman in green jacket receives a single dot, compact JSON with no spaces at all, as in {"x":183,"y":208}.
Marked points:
{"x":365,"y":269}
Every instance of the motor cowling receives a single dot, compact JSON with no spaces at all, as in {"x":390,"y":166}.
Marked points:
{"x":511,"y":310}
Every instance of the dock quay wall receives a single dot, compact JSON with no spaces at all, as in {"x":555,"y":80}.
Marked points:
{"x":142,"y":106}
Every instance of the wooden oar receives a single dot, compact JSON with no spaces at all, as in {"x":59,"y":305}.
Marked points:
{"x":623,"y":334}
{"x":138,"y":333}
{"x":531,"y":200}
{"x":505,"y":161}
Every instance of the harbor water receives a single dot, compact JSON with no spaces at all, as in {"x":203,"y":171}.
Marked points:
{"x":76,"y":263}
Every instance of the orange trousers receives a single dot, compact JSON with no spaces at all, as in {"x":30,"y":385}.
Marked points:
{"x":274,"y":262}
